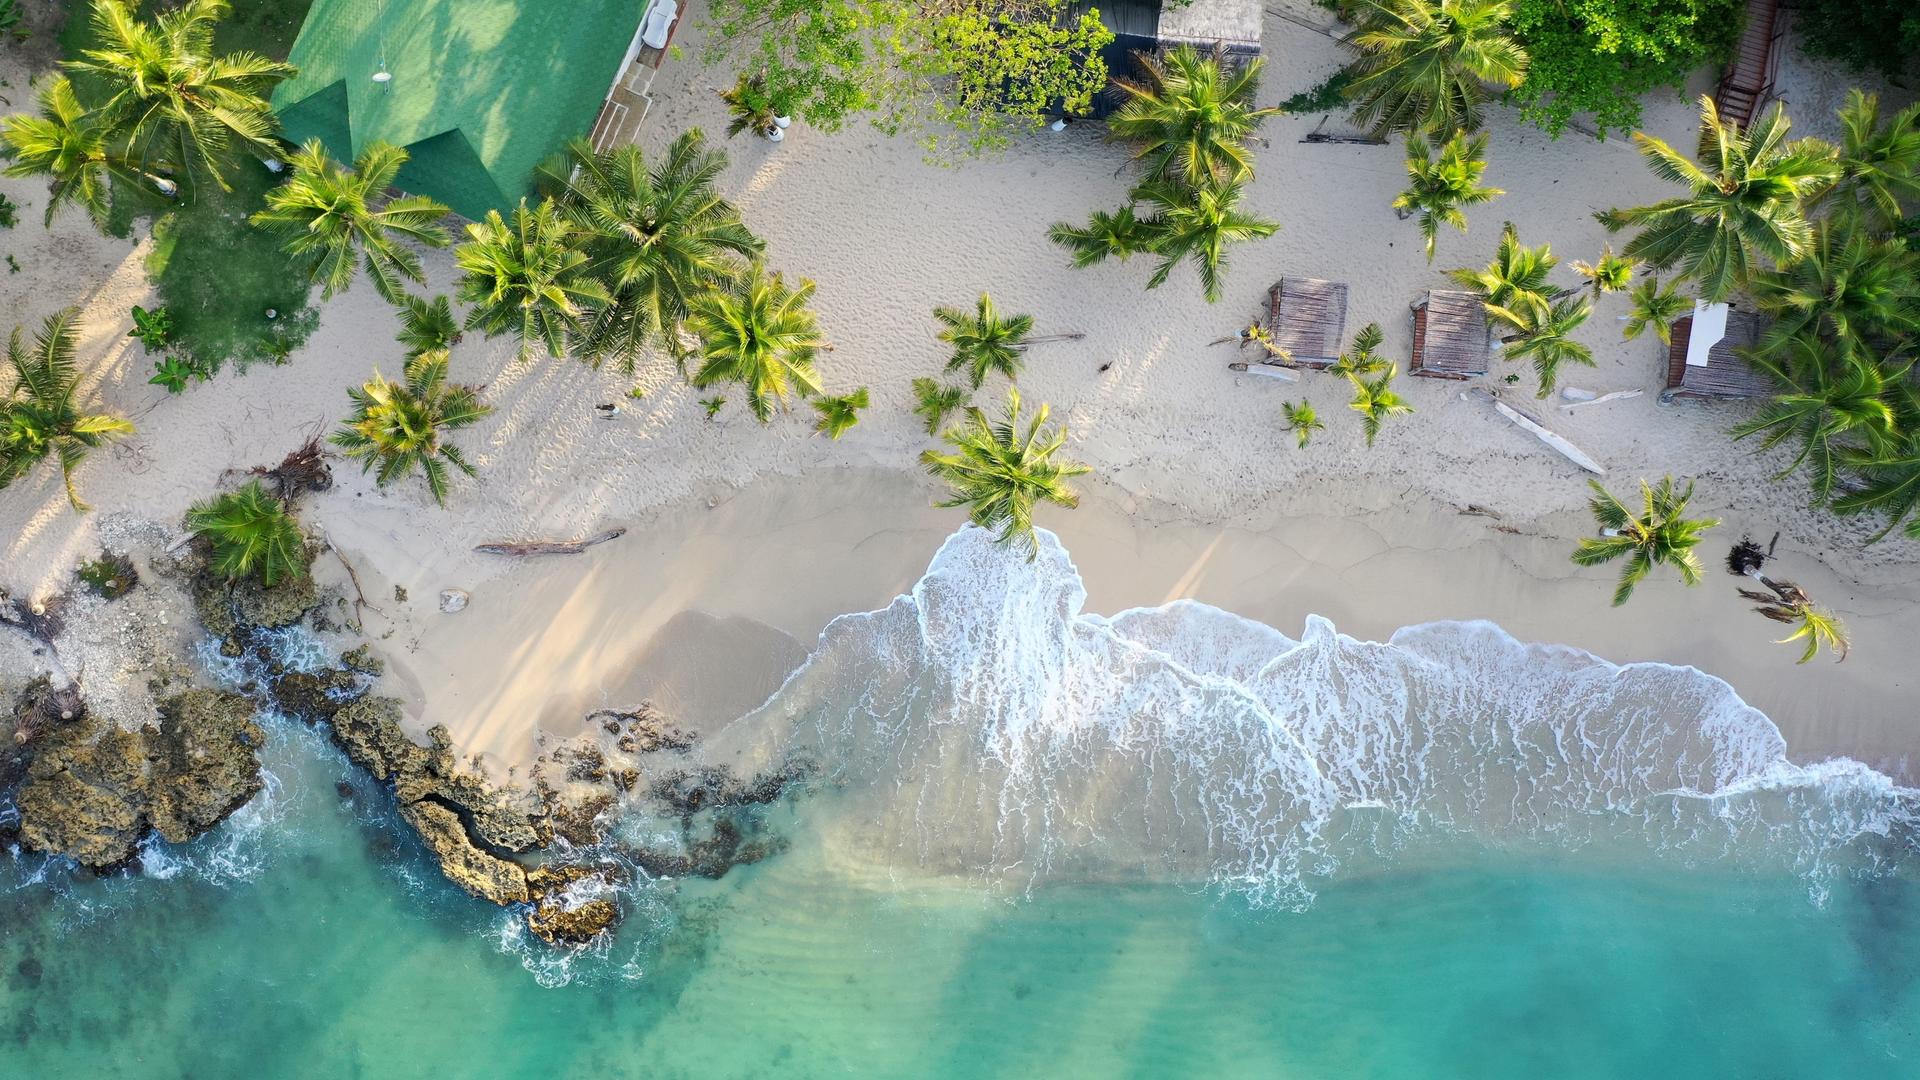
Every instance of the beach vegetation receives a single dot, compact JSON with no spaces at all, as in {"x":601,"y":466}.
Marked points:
{"x":1439,"y":188}
{"x":1362,"y":358}
{"x":1117,"y":234}
{"x":1196,"y":224}
{"x":1001,"y":471}
{"x":174,"y":372}
{"x":1830,"y":398}
{"x":1545,"y":340}
{"x":1742,"y":210}
{"x":934,"y":400}
{"x":1375,"y":401}
{"x":153,"y":329}
{"x":108,"y":577}
{"x":528,"y":279}
{"x":400,"y":428}
{"x":960,"y":78}
{"x":760,"y":333}
{"x":1879,"y":162}
{"x":1514,"y":285}
{"x":1848,"y":286}
{"x":9,"y":213}
{"x":427,"y":325}
{"x":984,"y":340}
{"x":168,"y":96}
{"x":72,"y":149}
{"x":1191,"y":117}
{"x":1426,"y":66}
{"x":712,"y":405}
{"x":1302,"y":421}
{"x":657,"y":234}
{"x":1818,"y":628}
{"x":249,"y":532}
{"x":837,"y":414}
{"x":10,"y":21}
{"x":330,"y":219}
{"x":749,"y":106}
{"x":1609,"y":273}
{"x":1598,"y":57}
{"x":1655,"y":306}
{"x":40,"y":417}
{"x":1885,"y":479}
{"x":1870,"y":35}
{"x":1659,"y":535}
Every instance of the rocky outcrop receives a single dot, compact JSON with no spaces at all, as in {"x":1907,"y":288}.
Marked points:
{"x":93,"y":791}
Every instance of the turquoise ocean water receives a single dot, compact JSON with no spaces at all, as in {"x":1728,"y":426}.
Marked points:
{"x":1168,"y":843}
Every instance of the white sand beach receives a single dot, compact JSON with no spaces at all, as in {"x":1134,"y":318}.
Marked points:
{"x":1199,"y":492}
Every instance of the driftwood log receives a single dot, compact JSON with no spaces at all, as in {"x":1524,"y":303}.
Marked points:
{"x":551,"y":547}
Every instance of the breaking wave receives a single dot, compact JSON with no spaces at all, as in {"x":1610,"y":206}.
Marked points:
{"x":985,"y":725}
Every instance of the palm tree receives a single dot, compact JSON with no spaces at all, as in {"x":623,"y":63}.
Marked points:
{"x":1546,"y":342}
{"x":1360,"y":358}
{"x":70,"y":147}
{"x":1375,"y":401}
{"x":1789,"y":603}
{"x":1302,"y":421}
{"x":326,"y":215}
{"x":657,"y":236}
{"x":1743,"y":201}
{"x":1847,"y":285}
{"x":1656,"y":307}
{"x":169,"y":97}
{"x":427,"y":326}
{"x":1885,"y":480}
{"x":1197,"y":224}
{"x":250,"y":531}
{"x":1192,"y":116}
{"x":1424,"y":65}
{"x":529,"y":279}
{"x":934,"y":400}
{"x":38,"y":417}
{"x":837,"y":414}
{"x":1438,"y":187}
{"x":1661,"y":534}
{"x":760,"y":334}
{"x":399,"y":426}
{"x":1000,"y":472}
{"x":1879,"y":167}
{"x":1833,"y":395}
{"x":984,"y":341}
{"x":1610,"y":273}
{"x":1118,"y":235}
{"x":1514,"y":285}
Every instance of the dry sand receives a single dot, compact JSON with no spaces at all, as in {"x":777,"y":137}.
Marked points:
{"x":1200,"y":492}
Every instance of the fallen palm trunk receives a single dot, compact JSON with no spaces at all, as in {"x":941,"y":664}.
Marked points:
{"x":551,"y":547}
{"x":1529,"y":424}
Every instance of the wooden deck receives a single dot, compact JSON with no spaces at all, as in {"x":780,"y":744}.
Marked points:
{"x":1451,"y":336}
{"x":1308,"y":318}
{"x":1725,"y":373}
{"x":624,"y":112}
{"x":1747,"y":83}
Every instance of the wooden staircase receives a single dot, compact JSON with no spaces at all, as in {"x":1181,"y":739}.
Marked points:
{"x":1747,"y":83}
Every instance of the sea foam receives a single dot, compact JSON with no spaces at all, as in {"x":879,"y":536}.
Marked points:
{"x":985,"y":725}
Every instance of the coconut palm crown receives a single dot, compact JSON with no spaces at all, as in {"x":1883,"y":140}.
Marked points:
{"x":399,"y":427}
{"x":984,"y":340}
{"x":170,"y":98}
{"x":658,"y":235}
{"x":1742,"y":210}
{"x":1660,"y":534}
{"x":68,"y":146}
{"x":1192,"y":115}
{"x":1831,"y":397}
{"x":761,"y":334}
{"x":1000,"y":471}
{"x":331,"y":218}
{"x":249,"y":532}
{"x":1425,"y":65}
{"x":38,"y":416}
{"x":527,"y":279}
{"x":1438,"y":187}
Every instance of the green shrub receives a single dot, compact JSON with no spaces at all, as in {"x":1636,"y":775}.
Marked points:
{"x":1600,"y":56}
{"x":110,"y":577}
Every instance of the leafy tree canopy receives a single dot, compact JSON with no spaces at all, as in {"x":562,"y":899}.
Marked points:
{"x":1600,"y":56}
{"x":959,"y":76}
{"x":1881,"y":35}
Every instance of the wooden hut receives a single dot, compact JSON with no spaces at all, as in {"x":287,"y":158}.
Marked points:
{"x":1308,"y":318}
{"x":1452,"y":338}
{"x":1724,"y":373}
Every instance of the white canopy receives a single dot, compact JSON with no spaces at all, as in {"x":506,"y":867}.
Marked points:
{"x":1709,"y":326}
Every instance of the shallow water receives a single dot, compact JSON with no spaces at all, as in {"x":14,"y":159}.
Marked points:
{"x":1168,"y":843}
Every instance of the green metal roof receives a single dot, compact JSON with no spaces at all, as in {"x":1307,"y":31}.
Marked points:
{"x":482,"y":90}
